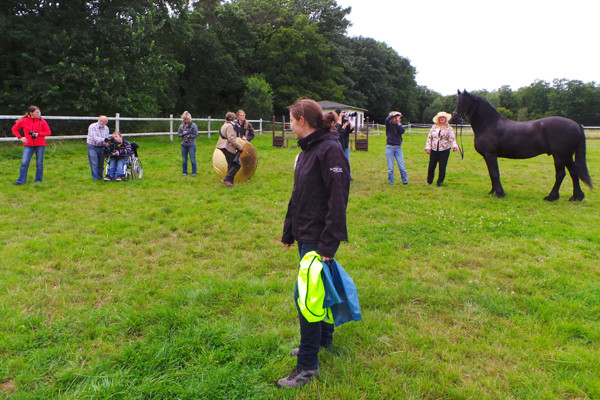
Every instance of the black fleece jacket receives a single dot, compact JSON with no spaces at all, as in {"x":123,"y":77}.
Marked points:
{"x":393,"y":132}
{"x":317,"y":208}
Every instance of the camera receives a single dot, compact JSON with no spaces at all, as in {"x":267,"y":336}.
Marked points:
{"x":354,"y":114}
{"x":33,"y":134}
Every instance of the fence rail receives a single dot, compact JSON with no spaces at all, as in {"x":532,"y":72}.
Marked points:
{"x":373,"y":128}
{"x":118,"y":119}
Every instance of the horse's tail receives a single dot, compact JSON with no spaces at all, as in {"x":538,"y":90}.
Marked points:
{"x":580,"y":163}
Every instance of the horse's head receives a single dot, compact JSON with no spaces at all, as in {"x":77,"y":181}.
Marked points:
{"x":463,"y":107}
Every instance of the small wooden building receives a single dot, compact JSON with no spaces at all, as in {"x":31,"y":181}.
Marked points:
{"x":356,"y":115}
{"x":358,"y":121}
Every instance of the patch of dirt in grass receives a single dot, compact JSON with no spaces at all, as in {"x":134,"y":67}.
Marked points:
{"x":8,"y":386}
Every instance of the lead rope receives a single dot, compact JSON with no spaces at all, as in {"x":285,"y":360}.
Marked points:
{"x":461,"y":150}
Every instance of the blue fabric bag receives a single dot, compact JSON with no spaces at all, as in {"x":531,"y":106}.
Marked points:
{"x":340,"y":293}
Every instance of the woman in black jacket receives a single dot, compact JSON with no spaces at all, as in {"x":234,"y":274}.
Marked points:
{"x":316,"y":217}
{"x":344,"y":128}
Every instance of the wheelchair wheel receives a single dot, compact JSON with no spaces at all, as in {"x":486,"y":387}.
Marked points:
{"x":136,"y":169}
{"x":126,"y":173}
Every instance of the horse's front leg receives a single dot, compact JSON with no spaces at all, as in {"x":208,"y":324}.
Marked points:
{"x":559,"y":167}
{"x":494,"y":171}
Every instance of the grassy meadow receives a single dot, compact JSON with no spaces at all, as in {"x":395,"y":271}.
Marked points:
{"x":175,"y":287}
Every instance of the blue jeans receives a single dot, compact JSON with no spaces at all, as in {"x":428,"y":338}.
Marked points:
{"x":392,"y":152}
{"x":39,"y":163}
{"x":313,"y":335}
{"x":191,"y":150}
{"x":96,"y":159}
{"x":115,"y":167}
{"x":347,"y":152}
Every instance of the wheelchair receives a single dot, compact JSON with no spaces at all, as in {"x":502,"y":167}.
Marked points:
{"x":133,"y":166}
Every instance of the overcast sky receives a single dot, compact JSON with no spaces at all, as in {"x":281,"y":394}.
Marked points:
{"x":482,"y":44}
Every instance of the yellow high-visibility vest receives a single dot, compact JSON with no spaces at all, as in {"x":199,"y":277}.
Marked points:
{"x":311,"y":291}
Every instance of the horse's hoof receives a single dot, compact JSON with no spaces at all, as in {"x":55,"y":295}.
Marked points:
{"x":500,"y":195}
{"x":577,"y":197}
{"x":551,"y":198}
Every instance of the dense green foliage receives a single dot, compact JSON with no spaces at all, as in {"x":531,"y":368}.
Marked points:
{"x":176,"y":287}
{"x":149,"y":58}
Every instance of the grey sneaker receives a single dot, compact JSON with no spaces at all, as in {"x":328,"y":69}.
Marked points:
{"x":297,"y":378}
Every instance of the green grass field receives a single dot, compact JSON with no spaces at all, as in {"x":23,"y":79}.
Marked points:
{"x":176,"y":287}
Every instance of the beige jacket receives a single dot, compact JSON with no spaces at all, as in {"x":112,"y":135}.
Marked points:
{"x":231,"y":144}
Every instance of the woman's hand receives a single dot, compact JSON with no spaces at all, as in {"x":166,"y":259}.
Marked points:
{"x":427,"y":151}
{"x":23,"y":140}
{"x":326,"y":259}
{"x":288,"y":245}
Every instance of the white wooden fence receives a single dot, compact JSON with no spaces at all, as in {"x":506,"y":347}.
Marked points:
{"x":214,"y":125}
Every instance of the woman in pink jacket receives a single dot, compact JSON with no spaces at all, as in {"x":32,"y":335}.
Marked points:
{"x":439,"y":142}
{"x":32,"y":130}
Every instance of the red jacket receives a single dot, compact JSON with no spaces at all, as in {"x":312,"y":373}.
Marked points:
{"x":28,"y":124}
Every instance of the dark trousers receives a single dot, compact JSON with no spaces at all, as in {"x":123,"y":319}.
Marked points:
{"x":232,"y":168}
{"x":313,"y":335}
{"x":436,"y":157}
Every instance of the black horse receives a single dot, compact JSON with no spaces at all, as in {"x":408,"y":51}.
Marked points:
{"x":497,"y":136}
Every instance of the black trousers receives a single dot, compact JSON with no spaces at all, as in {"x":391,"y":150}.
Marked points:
{"x":232,"y":168}
{"x":436,"y":157}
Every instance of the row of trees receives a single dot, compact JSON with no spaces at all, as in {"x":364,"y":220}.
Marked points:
{"x":157,"y":57}
{"x":567,"y":98}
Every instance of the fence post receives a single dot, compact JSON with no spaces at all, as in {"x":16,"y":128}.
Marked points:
{"x":261,"y":127}
{"x":209,"y":126}
{"x":171,"y":126}
{"x":117,"y":115}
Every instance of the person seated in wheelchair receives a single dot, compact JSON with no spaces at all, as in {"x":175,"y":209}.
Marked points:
{"x":119,"y":151}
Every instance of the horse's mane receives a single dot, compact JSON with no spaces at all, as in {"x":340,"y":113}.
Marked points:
{"x":485,"y":108}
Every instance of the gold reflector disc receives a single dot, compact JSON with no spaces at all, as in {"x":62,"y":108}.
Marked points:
{"x":248,"y":159}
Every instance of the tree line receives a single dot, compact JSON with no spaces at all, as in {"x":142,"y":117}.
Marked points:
{"x":159,"y":57}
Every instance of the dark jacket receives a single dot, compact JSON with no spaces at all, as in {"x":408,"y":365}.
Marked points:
{"x":344,"y":134}
{"x":188,"y":134}
{"x":247,"y":131}
{"x":317,"y":209}
{"x":116,"y":150}
{"x":393,"y":132}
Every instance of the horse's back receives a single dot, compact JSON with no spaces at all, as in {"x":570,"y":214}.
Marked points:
{"x":526,"y":139}
{"x":562,"y":135}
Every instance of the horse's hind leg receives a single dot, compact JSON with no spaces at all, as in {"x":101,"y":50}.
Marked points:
{"x":494,"y":171}
{"x":578,"y":194}
{"x":559,"y":167}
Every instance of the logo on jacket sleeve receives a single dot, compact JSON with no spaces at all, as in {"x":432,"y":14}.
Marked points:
{"x":337,"y":170}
